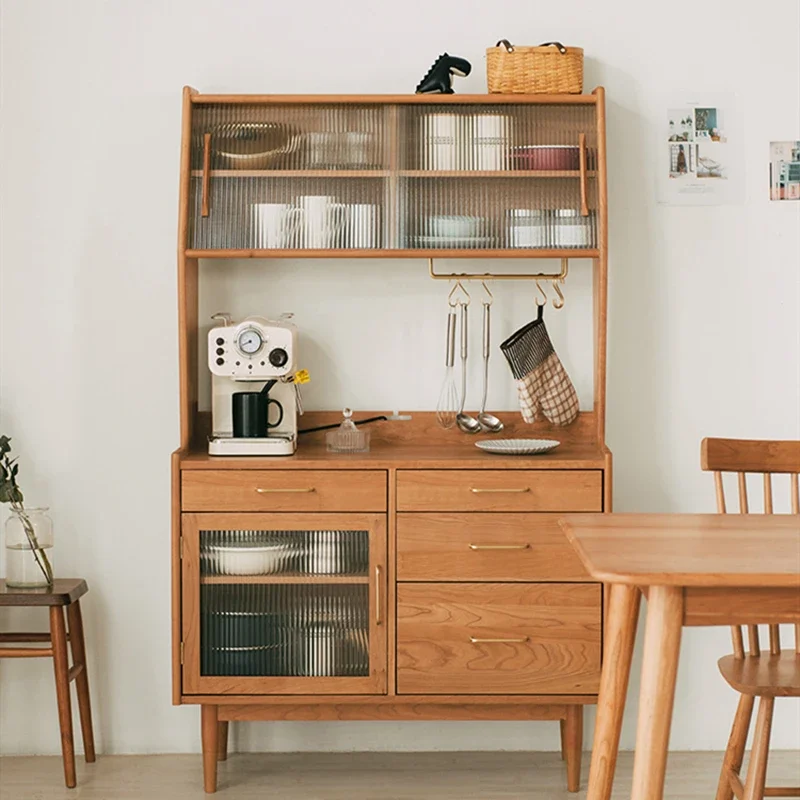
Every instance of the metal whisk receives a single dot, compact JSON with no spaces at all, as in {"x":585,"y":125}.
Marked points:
{"x":448,"y":398}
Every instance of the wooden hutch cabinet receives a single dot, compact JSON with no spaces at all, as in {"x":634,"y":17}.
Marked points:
{"x":424,"y":580}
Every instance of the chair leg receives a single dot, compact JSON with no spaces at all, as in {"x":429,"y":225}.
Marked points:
{"x":58,"y":635}
{"x":222,"y":741}
{"x":78,"y":646}
{"x":563,"y":725}
{"x":574,"y":746}
{"x":757,"y":769}
{"x":209,"y":730}
{"x":734,"y":753}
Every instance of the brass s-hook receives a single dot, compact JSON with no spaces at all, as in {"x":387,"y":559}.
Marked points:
{"x":543,"y":293}
{"x":560,"y":302}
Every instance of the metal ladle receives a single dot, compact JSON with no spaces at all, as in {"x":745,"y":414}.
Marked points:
{"x":488,"y":422}
{"x":464,"y":421}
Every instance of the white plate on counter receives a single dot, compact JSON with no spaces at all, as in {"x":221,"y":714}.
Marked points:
{"x":518,"y":447}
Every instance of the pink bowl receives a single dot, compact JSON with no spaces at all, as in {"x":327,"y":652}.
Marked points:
{"x":541,"y":157}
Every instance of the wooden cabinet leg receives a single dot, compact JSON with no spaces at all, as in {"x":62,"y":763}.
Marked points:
{"x":620,"y":632}
{"x":573,"y":735}
{"x":78,"y":647}
{"x":757,"y":769}
{"x":734,"y":754}
{"x":222,"y":741}
{"x":563,"y":726}
{"x":210,"y":734}
{"x":58,"y":635}
{"x":662,"y":643}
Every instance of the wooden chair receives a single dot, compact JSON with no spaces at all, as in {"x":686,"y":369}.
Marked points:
{"x":64,"y":593}
{"x":754,"y":673}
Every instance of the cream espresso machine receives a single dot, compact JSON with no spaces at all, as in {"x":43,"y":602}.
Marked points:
{"x":255,"y":399}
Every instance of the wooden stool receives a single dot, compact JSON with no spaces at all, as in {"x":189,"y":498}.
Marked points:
{"x":64,"y":592}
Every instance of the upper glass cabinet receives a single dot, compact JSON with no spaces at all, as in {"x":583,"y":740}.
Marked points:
{"x":349,"y":178}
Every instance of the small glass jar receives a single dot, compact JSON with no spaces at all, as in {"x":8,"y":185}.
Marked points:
{"x":527,"y":227}
{"x":570,"y":229}
{"x":29,"y":546}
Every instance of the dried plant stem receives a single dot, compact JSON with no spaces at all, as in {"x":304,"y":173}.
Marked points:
{"x":39,"y":554}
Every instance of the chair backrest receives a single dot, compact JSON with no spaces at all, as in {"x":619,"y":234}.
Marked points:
{"x":767,"y":458}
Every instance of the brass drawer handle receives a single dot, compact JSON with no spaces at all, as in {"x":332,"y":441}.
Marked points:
{"x":501,"y":491}
{"x":281,"y":491}
{"x":378,"y":614}
{"x":499,"y":546}
{"x":501,"y":641}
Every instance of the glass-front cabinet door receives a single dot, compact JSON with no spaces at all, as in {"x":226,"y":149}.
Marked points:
{"x":284,"y":603}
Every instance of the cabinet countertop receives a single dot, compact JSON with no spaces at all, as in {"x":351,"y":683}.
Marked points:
{"x":413,"y":455}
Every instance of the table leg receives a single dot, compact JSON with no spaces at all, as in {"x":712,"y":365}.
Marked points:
{"x":662,"y":643}
{"x":620,"y":632}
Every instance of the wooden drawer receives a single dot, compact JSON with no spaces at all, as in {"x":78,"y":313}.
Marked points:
{"x":551,"y":636}
{"x":283,"y":490}
{"x":499,"y":490}
{"x":484,"y":547}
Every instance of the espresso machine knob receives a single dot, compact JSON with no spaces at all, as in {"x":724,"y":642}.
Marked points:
{"x":278,"y":357}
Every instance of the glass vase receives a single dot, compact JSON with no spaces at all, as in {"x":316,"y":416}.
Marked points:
{"x":29,"y":546}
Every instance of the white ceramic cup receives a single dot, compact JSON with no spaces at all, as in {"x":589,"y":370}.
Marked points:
{"x":361,"y":225}
{"x":320,"y":219}
{"x":272,"y":223}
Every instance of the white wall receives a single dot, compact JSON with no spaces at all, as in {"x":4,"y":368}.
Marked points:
{"x":703,"y":312}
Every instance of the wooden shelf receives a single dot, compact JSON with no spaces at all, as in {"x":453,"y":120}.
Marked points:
{"x":395,"y":99}
{"x":383,"y":173}
{"x":399,"y":253}
{"x":293,"y":173}
{"x":283,"y":579}
{"x":500,"y":173}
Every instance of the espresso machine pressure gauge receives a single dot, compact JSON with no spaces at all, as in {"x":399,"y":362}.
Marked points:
{"x":249,"y":342}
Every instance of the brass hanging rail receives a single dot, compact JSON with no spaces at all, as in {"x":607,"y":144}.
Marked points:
{"x":489,"y":276}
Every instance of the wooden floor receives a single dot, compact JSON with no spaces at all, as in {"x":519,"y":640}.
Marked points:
{"x":356,"y":776}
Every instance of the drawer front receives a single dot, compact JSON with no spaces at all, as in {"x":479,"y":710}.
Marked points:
{"x":283,"y":490}
{"x":549,"y":638}
{"x":499,"y":490}
{"x":484,"y":547}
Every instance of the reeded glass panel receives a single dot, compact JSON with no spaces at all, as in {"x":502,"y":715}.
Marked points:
{"x":257,"y":621}
{"x":426,"y":176}
{"x":258,"y":552}
{"x":302,"y":630}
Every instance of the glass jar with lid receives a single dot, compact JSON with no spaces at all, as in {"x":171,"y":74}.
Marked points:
{"x":527,"y":227}
{"x":570,"y":229}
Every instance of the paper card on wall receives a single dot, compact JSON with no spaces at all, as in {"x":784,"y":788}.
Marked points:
{"x":784,"y":170}
{"x":696,"y":164}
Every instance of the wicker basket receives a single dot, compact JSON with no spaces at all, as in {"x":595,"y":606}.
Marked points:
{"x":550,"y":68}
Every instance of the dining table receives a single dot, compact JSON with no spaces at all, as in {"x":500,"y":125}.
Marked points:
{"x":694,"y":570}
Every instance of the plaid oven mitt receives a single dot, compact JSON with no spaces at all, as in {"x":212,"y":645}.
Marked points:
{"x":542,"y":381}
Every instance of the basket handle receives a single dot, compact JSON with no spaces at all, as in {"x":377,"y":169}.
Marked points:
{"x":510,"y":47}
{"x":561,"y":48}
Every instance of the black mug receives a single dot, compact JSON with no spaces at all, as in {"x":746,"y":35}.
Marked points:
{"x":251,"y":414}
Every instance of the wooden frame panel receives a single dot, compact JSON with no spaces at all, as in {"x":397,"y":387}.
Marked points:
{"x":500,"y":490}
{"x":749,"y":455}
{"x":485,"y":547}
{"x":498,"y":637}
{"x":195,"y":683}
